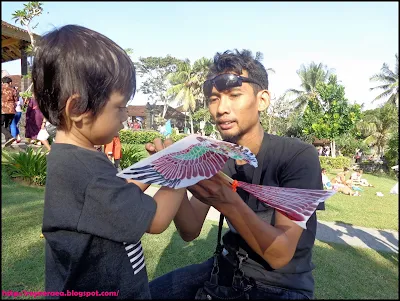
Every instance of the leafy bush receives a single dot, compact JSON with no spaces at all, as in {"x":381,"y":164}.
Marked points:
{"x":334,"y":163}
{"x":132,"y":153}
{"x":144,"y":136}
{"x":208,"y":129}
{"x":177,"y":137}
{"x":28,"y":165}
{"x":138,"y":137}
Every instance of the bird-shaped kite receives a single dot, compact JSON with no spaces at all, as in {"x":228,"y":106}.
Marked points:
{"x":195,"y":158}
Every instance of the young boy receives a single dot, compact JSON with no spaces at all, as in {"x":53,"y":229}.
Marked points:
{"x":93,"y":220}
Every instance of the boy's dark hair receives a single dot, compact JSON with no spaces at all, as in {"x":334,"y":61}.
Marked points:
{"x":6,"y":80}
{"x":76,"y":60}
{"x":236,"y":62}
{"x":345,"y":169}
{"x":323,"y":169}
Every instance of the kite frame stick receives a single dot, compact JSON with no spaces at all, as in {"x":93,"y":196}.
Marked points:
{"x":230,"y":180}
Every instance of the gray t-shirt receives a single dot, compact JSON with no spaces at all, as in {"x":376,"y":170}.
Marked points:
{"x":93,"y":222}
{"x":288,"y":162}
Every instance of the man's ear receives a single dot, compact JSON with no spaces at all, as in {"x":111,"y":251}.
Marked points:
{"x":263,"y":100}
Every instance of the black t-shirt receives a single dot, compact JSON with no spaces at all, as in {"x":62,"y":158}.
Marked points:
{"x":93,"y":222}
{"x":287,"y":162}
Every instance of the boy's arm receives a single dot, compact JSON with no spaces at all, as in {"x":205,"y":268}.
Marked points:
{"x":168,"y":201}
{"x":141,"y":185}
{"x":190,"y":215}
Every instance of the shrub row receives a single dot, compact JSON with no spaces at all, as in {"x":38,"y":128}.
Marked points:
{"x":144,"y":136}
{"x":334,"y":163}
{"x":31,"y":165}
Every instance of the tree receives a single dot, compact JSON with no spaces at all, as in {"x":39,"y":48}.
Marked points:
{"x":310,"y":77}
{"x":275,"y":120}
{"x":24,"y":17}
{"x":390,"y":83}
{"x":392,"y":153}
{"x":378,"y":126}
{"x":335,"y":117}
{"x":187,"y":85}
{"x":156,"y":70}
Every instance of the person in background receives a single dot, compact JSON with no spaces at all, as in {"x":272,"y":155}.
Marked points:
{"x":9,"y":99}
{"x":43,"y":135}
{"x":34,"y":120}
{"x":136,"y":125}
{"x":359,"y":156}
{"x":14,"y":124}
{"x":325,"y":180}
{"x":113,"y":151}
{"x":342,"y":188}
{"x":340,"y":178}
{"x":356,"y":178}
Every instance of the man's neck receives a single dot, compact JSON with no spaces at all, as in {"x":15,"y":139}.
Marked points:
{"x":253,"y":139}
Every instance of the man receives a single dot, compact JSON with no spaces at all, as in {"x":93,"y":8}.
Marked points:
{"x":9,"y":99}
{"x":279,"y":251}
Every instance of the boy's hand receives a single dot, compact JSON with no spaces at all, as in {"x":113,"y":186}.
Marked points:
{"x":157,"y":145}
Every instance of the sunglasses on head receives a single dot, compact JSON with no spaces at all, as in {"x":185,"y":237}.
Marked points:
{"x":226,"y":81}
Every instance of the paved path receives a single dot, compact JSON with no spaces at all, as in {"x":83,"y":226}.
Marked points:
{"x":381,"y":240}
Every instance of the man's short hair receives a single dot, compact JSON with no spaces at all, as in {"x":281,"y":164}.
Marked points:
{"x":236,"y":61}
{"x":6,"y":80}
{"x":76,"y":60}
{"x":323,"y":169}
{"x":345,"y":169}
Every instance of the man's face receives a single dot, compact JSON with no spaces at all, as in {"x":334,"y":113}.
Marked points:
{"x":236,"y":111}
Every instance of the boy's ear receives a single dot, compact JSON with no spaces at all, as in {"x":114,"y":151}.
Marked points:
{"x":263,"y":100}
{"x":70,"y":112}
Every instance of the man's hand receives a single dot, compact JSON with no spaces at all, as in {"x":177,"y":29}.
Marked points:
{"x":157,"y":145}
{"x":216,"y":192}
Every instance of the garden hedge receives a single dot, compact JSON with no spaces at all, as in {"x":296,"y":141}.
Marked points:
{"x":335,"y":163}
{"x":144,"y":136}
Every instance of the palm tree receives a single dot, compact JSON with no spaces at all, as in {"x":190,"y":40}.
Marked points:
{"x":187,"y":84}
{"x":310,"y":76}
{"x":378,"y":126}
{"x":390,"y":83}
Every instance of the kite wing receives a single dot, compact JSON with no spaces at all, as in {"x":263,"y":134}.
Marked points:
{"x":297,"y":204}
{"x":186,"y":162}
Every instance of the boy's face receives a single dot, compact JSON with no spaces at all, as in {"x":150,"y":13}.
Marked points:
{"x":109,"y":121}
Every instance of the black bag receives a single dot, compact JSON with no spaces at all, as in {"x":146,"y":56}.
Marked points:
{"x":212,"y":290}
{"x":51,"y":129}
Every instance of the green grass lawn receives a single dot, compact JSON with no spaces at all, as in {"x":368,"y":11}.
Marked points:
{"x":342,"y":272}
{"x":367,"y":210}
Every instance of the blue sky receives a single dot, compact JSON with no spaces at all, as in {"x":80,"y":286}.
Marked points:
{"x":353,"y":38}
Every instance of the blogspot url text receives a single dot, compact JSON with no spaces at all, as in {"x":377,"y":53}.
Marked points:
{"x":67,"y":293}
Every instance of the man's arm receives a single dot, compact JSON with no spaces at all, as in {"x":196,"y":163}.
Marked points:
{"x":190,"y":218}
{"x":276,"y":244}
